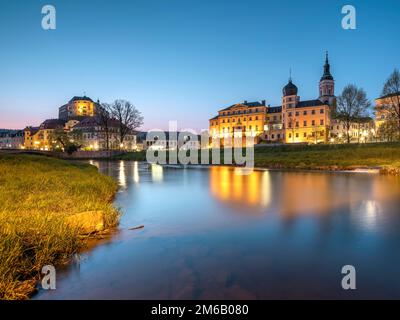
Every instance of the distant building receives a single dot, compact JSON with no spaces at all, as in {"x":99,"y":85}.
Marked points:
{"x":94,"y":135}
{"x":78,"y":108}
{"x":387,"y":108}
{"x":39,"y":138}
{"x":11,"y":139}
{"x":164,"y":140}
{"x":361,"y":131}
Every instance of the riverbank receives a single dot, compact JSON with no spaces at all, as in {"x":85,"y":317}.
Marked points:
{"x":384,"y":157}
{"x":41,"y":201}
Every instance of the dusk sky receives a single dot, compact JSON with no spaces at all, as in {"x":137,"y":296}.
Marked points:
{"x":185,"y":59}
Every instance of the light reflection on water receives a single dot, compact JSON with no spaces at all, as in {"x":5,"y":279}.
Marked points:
{"x":215,"y":234}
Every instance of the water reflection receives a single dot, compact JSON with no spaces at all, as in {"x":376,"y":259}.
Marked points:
{"x":219,"y":234}
{"x":157,"y":173}
{"x":233,"y":187}
{"x":136,"y":177}
{"x":122,"y":174}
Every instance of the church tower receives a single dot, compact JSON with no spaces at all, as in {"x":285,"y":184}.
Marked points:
{"x":327,"y":85}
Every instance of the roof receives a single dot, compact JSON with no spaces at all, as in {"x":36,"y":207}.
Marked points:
{"x":32,"y":130}
{"x":277,"y":109}
{"x":290,"y":89}
{"x":216,"y":117}
{"x":310,"y":103}
{"x":389,"y":95}
{"x":246,"y":104}
{"x":76,"y":98}
{"x":52,"y":124}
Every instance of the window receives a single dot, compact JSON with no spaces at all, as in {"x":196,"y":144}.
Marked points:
{"x":304,"y":113}
{"x":321,"y":122}
{"x":297,"y":114}
{"x":322,"y":133}
{"x":297,"y":124}
{"x":305,"y":123}
{"x":297,"y":134}
{"x":312,"y":111}
{"x":249,"y":118}
{"x":228,"y":120}
{"x":274,"y":118}
{"x":290,"y":135}
{"x":279,"y":136}
{"x":290,"y":124}
{"x":305,"y":135}
{"x":256,"y":117}
{"x":273,"y":136}
{"x":290,"y":114}
{"x":313,"y":123}
{"x":321,"y":111}
{"x":256,"y":128}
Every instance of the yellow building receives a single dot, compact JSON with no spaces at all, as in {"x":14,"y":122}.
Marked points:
{"x":239,"y":120}
{"x":294,"y":121}
{"x":39,"y":138}
{"x":78,"y":108}
{"x":386,"y":107}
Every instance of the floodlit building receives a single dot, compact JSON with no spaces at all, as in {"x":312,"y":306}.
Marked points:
{"x":40,"y":138}
{"x":294,"y":121}
{"x":78,"y":108}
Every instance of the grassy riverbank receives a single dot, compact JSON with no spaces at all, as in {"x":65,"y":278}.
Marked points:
{"x":38,"y":195}
{"x":330,"y":157}
{"x":322,"y":157}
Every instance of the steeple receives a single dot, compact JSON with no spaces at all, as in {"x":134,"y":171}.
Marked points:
{"x":327,"y":84}
{"x":327,"y":69}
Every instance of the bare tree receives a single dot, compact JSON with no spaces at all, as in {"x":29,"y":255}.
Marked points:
{"x":128,"y":116}
{"x":391,"y":92}
{"x":103,"y":119}
{"x":352,"y":105}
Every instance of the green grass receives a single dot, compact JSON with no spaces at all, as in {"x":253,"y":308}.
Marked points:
{"x":37,"y":194}
{"x":337,"y":157}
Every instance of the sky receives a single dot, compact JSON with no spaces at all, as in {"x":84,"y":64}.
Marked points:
{"x":183,"y":60}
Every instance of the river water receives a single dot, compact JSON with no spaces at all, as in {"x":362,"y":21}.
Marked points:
{"x":214,"y":233}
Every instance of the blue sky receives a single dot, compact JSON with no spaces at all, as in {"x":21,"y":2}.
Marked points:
{"x":184,"y":60}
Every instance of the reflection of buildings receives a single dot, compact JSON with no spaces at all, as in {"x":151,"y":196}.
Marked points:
{"x":291,"y":194}
{"x":233,"y":187}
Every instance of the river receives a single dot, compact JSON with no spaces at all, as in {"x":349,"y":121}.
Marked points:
{"x":213,"y":233}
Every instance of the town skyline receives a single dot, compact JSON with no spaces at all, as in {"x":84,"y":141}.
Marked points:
{"x":187,"y":71}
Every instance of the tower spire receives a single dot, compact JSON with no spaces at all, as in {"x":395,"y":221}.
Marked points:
{"x":326,"y":57}
{"x":290,"y":74}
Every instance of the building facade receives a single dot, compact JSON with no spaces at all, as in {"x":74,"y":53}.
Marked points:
{"x":78,"y":108}
{"x":11,"y":139}
{"x":387,"y":117}
{"x":40,"y":138}
{"x":294,"y":121}
{"x":94,"y":136}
